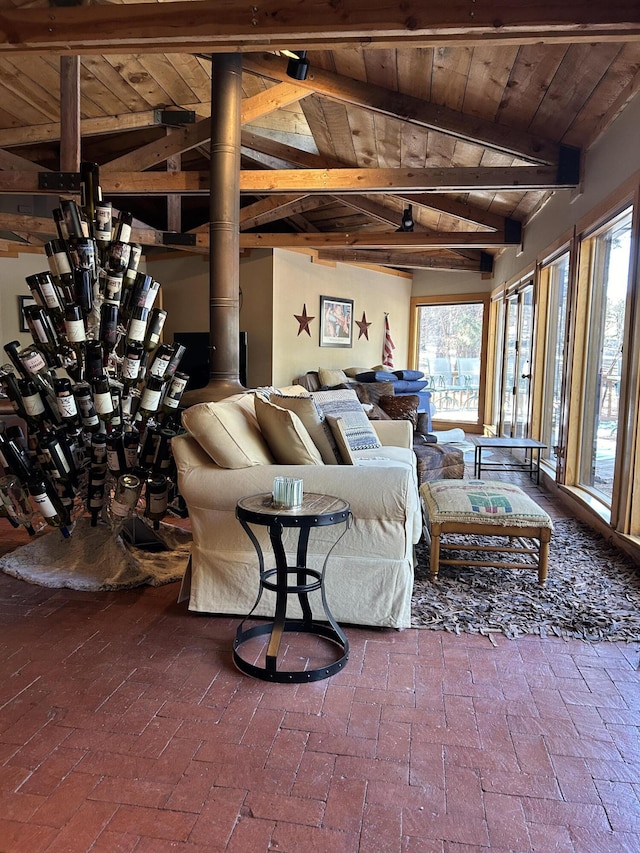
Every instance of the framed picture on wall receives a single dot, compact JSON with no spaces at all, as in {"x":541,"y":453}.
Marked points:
{"x":336,"y":322}
{"x":23,"y":301}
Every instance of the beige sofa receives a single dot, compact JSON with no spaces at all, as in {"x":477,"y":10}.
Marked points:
{"x":369,"y":578}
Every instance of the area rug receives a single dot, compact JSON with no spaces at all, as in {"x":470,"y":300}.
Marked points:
{"x":593,"y":592}
{"x":94,"y":559}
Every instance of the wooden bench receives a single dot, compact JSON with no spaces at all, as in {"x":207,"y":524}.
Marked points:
{"x":485,"y":508}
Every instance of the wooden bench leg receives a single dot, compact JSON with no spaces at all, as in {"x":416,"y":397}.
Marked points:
{"x":434,"y":552}
{"x":543,"y":555}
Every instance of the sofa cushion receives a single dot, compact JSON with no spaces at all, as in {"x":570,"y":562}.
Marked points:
{"x":354,"y":371}
{"x":344,"y":403}
{"x":315,"y":423}
{"x":286,"y":435}
{"x":225,"y":432}
{"x":330,"y":377}
{"x":410,"y":386}
{"x":409,"y":374}
{"x":401,"y":408}
{"x":376,"y":376}
{"x":339,"y":431}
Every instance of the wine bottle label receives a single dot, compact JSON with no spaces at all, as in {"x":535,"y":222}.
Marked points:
{"x":136,"y":330}
{"x":113,"y":288}
{"x":40,"y":330}
{"x":120,"y":510}
{"x":62,"y":263}
{"x":103,"y":402}
{"x":45,"y":507}
{"x":159,"y":367}
{"x":113,"y":461}
{"x":125,"y":232}
{"x":130,"y":368}
{"x":33,"y":404}
{"x":75,"y":331}
{"x":67,"y":406}
{"x":158,"y":503}
{"x":131,"y":456}
{"x":103,"y":223}
{"x":47,"y":288}
{"x":172,"y":398}
{"x":150,"y":399}
{"x":150,"y":295}
{"x":96,"y":501}
{"x":34,"y":362}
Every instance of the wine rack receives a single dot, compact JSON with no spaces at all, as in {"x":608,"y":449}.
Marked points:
{"x":97,"y":388}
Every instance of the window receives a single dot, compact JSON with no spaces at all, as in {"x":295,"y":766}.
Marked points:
{"x":450,"y":352}
{"x":608,"y":252}
{"x":557,"y":275}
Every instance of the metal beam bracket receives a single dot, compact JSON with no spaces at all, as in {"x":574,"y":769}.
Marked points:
{"x":174,"y":118}
{"x":59,"y":181}
{"x":512,"y":231}
{"x":569,"y":165}
{"x":486,"y":262}
{"x":173,"y":238}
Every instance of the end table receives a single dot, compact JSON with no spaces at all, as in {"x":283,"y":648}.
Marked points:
{"x":315,"y":511}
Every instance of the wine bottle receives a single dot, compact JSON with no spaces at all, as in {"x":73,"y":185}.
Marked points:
{"x":83,"y":289}
{"x":76,"y":333}
{"x":130,"y":369}
{"x":58,"y":462}
{"x":94,"y":360}
{"x":108,"y":332}
{"x":150,"y":398}
{"x":150,"y":296}
{"x":178,"y":351}
{"x":113,"y":287}
{"x":122,"y":232}
{"x":59,"y":263}
{"x":155,"y":325}
{"x":13,"y":458}
{"x":72,"y":219}
{"x":130,"y":440}
{"x":137,"y":326}
{"x":116,"y":460}
{"x":61,"y":224}
{"x":47,"y":502}
{"x":14,"y":499}
{"x":66,"y":402}
{"x":32,"y":402}
{"x":162,"y":459}
{"x":102,"y":398}
{"x":84,"y":402}
{"x":96,"y":490}
{"x":174,"y":392}
{"x":43,"y":333}
{"x":160,"y":361}
{"x":156,"y":498}
{"x":116,"y":399}
{"x":91,"y":194}
{"x":141,"y":287}
{"x":118,"y":255}
{"x":102,"y":224}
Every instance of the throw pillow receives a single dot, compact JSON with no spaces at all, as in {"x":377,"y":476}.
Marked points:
{"x":376,"y":376}
{"x":314,"y":422}
{"x":375,"y":390}
{"x":330,"y":377}
{"x":411,"y":375}
{"x":286,"y":436}
{"x":354,"y":371}
{"x":344,"y":404}
{"x":375,"y":413}
{"x":340,"y":434}
{"x":226,"y":434}
{"x":423,"y":425}
{"x":403,"y":408}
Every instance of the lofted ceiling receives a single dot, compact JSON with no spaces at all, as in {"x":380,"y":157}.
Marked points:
{"x":473,"y":122}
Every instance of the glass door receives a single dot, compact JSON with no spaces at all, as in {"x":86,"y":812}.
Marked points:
{"x":516,"y":364}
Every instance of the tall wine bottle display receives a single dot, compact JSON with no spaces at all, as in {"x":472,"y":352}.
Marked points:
{"x":97,"y":388}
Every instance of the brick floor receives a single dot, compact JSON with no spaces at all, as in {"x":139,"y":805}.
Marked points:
{"x":125,"y":727}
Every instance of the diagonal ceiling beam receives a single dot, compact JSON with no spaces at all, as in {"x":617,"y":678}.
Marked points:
{"x":412,"y":260}
{"x":197,"y":134}
{"x":209,"y":26}
{"x":414,"y":111}
{"x":277,"y":207}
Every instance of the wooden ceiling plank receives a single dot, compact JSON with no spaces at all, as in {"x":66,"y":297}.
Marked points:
{"x":258,"y":214}
{"x":487,"y":79}
{"x":313,"y":109}
{"x":209,"y":26}
{"x":115,"y":86}
{"x":531,"y":76}
{"x":30,"y":80}
{"x":131,"y":69}
{"x":92,"y":104}
{"x":414,"y":71}
{"x":196,"y":75}
{"x":164,"y":73}
{"x":405,"y":107}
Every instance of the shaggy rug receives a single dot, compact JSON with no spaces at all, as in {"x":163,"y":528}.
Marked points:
{"x":94,"y":559}
{"x":592,"y":592}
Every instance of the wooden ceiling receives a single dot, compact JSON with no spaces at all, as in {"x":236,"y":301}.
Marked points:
{"x":473,"y":113}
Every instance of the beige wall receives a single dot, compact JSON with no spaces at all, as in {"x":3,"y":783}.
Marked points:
{"x":298,"y":281}
{"x":444,"y":282}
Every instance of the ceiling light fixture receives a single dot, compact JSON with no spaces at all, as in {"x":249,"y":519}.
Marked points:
{"x":298,"y":65}
{"x":407,"y":219}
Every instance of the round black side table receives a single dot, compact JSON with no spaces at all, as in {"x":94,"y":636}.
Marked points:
{"x":315,"y":511}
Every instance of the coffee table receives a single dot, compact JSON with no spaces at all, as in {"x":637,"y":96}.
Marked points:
{"x":531,"y":446}
{"x":316,"y":510}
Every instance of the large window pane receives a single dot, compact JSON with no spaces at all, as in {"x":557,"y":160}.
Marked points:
{"x":449,"y":353}
{"x":609,"y":275}
{"x":558,"y":272}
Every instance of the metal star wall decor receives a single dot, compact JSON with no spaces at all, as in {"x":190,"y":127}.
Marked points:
{"x":363,"y":326}
{"x":304,"y":320}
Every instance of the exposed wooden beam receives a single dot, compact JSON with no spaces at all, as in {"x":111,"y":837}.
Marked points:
{"x":415,"y":111}
{"x":277,"y":207}
{"x":317,"y":181}
{"x":70,"y":114}
{"x":412,"y":260}
{"x":31,"y":224}
{"x":209,"y":26}
{"x":12,"y":161}
{"x":373,"y":240}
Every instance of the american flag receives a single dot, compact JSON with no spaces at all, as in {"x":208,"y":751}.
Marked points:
{"x":389,"y":346}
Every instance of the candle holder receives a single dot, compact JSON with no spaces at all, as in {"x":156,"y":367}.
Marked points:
{"x":287,"y":493}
